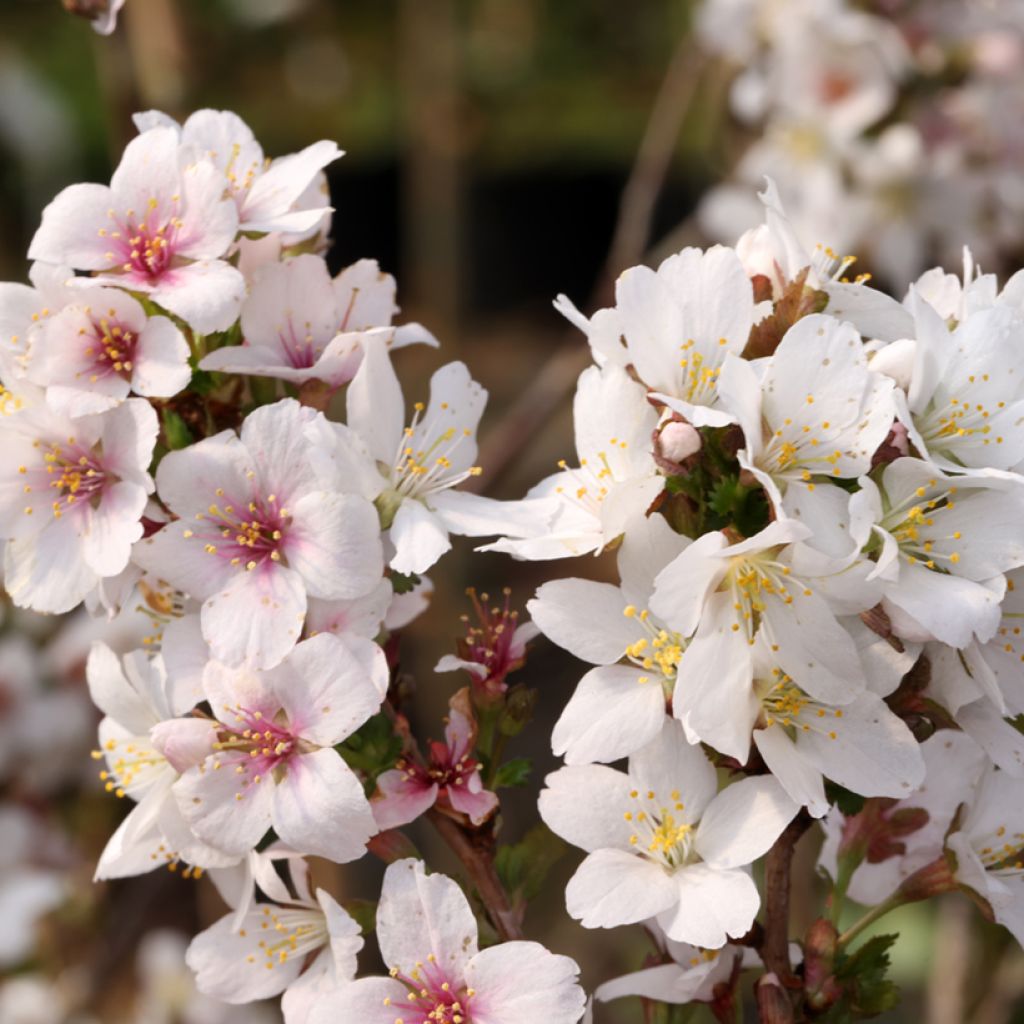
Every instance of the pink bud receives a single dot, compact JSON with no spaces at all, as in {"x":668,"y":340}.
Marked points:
{"x":678,"y":441}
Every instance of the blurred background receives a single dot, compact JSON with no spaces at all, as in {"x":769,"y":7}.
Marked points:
{"x":498,"y":152}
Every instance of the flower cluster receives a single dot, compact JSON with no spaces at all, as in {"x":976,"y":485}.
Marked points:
{"x":165,"y":448}
{"x":815,"y":497}
{"x":814,"y":494}
{"x":889,"y":126}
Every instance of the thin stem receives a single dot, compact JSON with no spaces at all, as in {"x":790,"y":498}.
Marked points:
{"x":476,"y":851}
{"x":775,"y":942}
{"x":844,"y":874}
{"x":873,"y":915}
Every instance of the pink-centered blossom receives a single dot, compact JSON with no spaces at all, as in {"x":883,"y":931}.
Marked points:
{"x":162,"y":227}
{"x":450,"y":776}
{"x":299,"y":324}
{"x":259,"y":530}
{"x":72,"y":493}
{"x":271,"y":762}
{"x":428,"y":938}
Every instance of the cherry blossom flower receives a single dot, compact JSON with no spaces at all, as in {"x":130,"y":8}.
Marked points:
{"x":661,"y":844}
{"x":860,"y":744}
{"x":943,"y":544}
{"x":815,"y":409}
{"x":493,"y":649}
{"x":619,"y":706}
{"x":982,"y":683}
{"x":265,"y":192}
{"x":428,"y":938}
{"x":953,"y":764}
{"x":300,"y":946}
{"x":90,"y":356}
{"x":679,"y":323}
{"x":72,"y":492}
{"x":730,"y":596}
{"x":138,"y":704}
{"x":965,"y":398}
{"x":270,"y":762}
{"x":162,"y":228}
{"x":24,"y":311}
{"x":260,"y":529}
{"x":300,"y":325}
{"x":410,"y":471}
{"x":450,"y":777}
{"x":988,"y":847}
{"x":581,"y":510}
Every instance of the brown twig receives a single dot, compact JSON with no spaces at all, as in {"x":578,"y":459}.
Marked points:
{"x":774,"y":946}
{"x":476,"y":851}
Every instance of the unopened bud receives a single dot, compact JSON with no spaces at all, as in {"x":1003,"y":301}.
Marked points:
{"x":678,"y":441}
{"x":391,"y":845}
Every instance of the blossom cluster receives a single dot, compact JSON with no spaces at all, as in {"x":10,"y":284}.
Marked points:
{"x":889,"y":126}
{"x":815,"y":497}
{"x":165,"y":449}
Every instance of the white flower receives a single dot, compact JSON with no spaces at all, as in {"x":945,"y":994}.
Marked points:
{"x":410,"y":470}
{"x":138,"y":702}
{"x":93,"y":352}
{"x":619,"y":706}
{"x":952,"y":765}
{"x":661,"y":844}
{"x":72,"y":493}
{"x":583,"y":509}
{"x":271,"y":764}
{"x":729,"y":596}
{"x":161,"y":228}
{"x":965,"y":400}
{"x":106,"y":20}
{"x":428,"y":938}
{"x":814,"y":410}
{"x":301,"y":946}
{"x":860,"y":744}
{"x":298,"y":324}
{"x":265,"y":192}
{"x":691,"y":977}
{"x":982,"y":683}
{"x":260,"y":529}
{"x":989,"y":847}
{"x":678,"y":324}
{"x":24,"y":311}
{"x":943,"y":544}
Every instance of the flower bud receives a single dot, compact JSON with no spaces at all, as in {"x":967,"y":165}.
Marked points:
{"x":678,"y":441}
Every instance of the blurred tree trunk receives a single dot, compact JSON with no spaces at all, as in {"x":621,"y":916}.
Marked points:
{"x":429,"y":65}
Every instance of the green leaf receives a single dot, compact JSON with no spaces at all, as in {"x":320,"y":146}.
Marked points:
{"x":524,"y":866}
{"x":403,"y":584}
{"x":372,"y":749}
{"x":866,"y":991}
{"x":848,"y":803}
{"x":176,"y":431}
{"x":202,"y":382}
{"x":513,"y":773}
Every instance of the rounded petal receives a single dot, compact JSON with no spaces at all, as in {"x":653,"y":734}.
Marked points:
{"x":612,"y":887}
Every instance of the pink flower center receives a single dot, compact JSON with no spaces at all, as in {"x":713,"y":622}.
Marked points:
{"x":143,"y":248}
{"x":442,"y":770}
{"x":70,"y":475}
{"x":488,"y":641}
{"x":250,"y":534}
{"x":254,"y":748}
{"x":111,"y":348}
{"x":432,"y":997}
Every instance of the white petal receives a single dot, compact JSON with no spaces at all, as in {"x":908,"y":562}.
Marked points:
{"x":584,"y":618}
{"x":421,"y":914}
{"x":743,"y":822}
{"x":710,"y":906}
{"x":612,"y":887}
{"x":612,"y":714}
